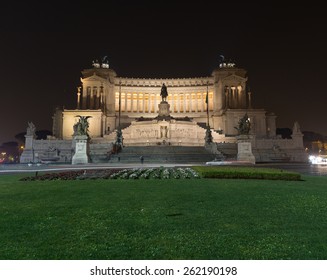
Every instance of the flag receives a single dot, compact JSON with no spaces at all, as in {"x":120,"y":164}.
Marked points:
{"x":207,"y":96}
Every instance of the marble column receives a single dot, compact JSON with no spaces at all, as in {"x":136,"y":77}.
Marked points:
{"x":125,"y":102}
{"x":149,"y":103}
{"x":132,"y":102}
{"x":184,"y":101}
{"x":97,"y":103}
{"x":78,"y":97}
{"x":178,"y":103}
{"x":88,"y":97}
{"x":202,"y":102}
{"x":84,"y":94}
{"x":91,"y":98}
{"x":143,"y":103}
{"x":196,"y":103}
{"x":138,"y":103}
{"x":230,"y":99}
{"x":101,"y":98}
{"x":172,"y":103}
{"x":240,"y":99}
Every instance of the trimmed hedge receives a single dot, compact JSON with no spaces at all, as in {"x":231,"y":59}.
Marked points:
{"x":239,"y":172}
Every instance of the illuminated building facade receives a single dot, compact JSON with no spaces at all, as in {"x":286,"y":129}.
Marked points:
{"x":216,"y":102}
{"x":102,"y":91}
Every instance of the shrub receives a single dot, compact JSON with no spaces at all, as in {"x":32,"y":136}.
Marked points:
{"x":239,"y":172}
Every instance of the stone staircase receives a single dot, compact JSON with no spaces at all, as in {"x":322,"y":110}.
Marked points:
{"x":229,"y":150}
{"x":163,"y":154}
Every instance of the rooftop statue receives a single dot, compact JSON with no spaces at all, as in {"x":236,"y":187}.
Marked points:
{"x":105,"y":62}
{"x":164,"y":92}
{"x":224,"y":63}
{"x":96,"y":64}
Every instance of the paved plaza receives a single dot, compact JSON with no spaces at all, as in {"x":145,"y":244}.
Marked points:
{"x":303,"y":168}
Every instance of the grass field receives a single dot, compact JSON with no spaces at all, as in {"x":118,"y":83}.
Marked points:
{"x":163,"y":219}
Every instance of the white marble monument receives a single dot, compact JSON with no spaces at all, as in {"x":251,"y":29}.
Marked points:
{"x":147,"y":115}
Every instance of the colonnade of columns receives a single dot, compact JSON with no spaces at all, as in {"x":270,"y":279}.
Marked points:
{"x":148,"y":103}
{"x":235,"y":97}
{"x":92,"y":98}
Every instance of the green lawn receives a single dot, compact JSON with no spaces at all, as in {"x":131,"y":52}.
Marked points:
{"x":163,"y":219}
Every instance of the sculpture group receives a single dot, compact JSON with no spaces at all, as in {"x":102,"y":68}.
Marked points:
{"x":244,"y":125}
{"x":82,"y":126}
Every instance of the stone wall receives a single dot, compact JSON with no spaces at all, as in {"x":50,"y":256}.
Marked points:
{"x":62,"y":151}
{"x":154,"y":132}
{"x":278,"y":150}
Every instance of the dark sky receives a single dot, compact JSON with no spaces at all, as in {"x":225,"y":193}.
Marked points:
{"x":44,"y":47}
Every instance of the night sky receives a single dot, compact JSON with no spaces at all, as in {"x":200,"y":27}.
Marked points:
{"x":45,"y":46}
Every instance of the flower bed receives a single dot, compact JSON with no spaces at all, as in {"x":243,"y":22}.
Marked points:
{"x":132,"y":174}
{"x":156,"y":173}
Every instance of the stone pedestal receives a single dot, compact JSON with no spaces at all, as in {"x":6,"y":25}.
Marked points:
{"x":80,"y":156}
{"x":164,"y":109}
{"x":297,"y":136}
{"x":28,"y":153}
{"x":27,"y":156}
{"x":244,"y":149}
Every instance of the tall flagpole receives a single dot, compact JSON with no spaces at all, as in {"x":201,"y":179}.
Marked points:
{"x":207,"y":101}
{"x":208,"y":137}
{"x":119,"y":106}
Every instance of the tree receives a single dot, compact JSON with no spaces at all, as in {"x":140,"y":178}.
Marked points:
{"x":20,"y":137}
{"x":285,"y":132}
{"x":10,"y":149}
{"x":40,"y":134}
